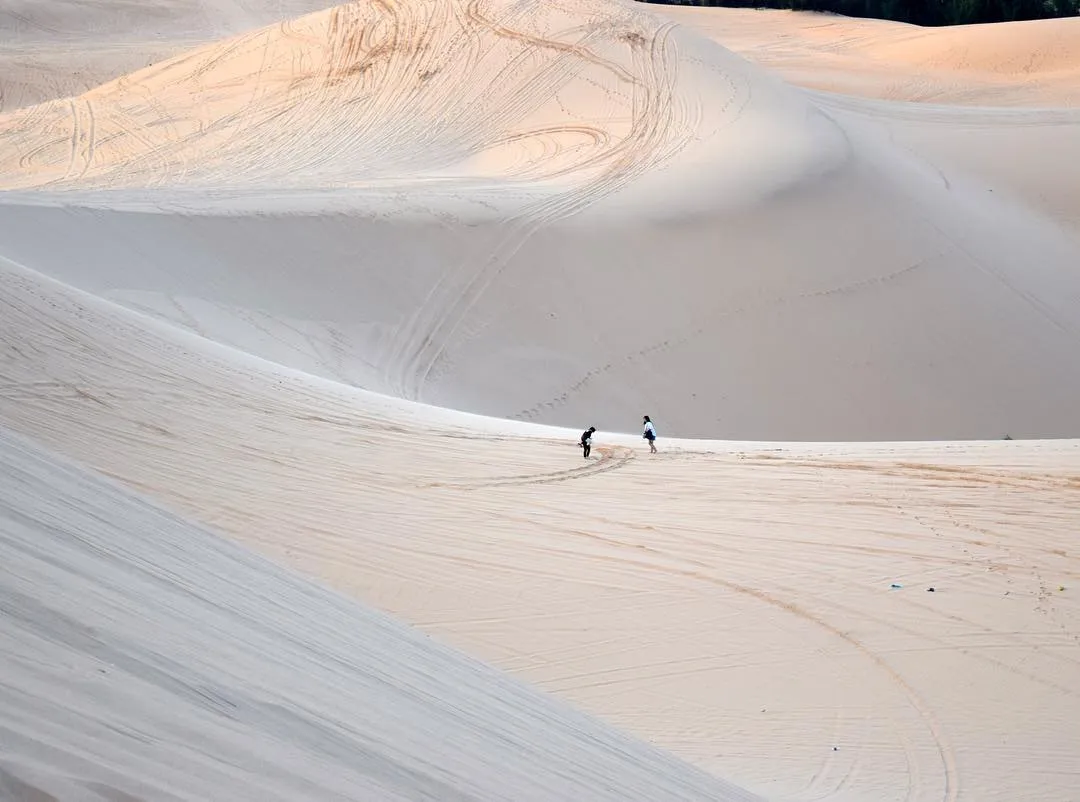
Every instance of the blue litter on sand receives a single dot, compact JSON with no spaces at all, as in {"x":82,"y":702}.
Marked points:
{"x":894,"y":585}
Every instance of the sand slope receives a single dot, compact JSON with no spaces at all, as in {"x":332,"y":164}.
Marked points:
{"x":144,"y":658}
{"x":65,"y":47}
{"x":1031,"y":63}
{"x":363,"y":93}
{"x":560,"y":216}
{"x":727,"y":601}
{"x":85,"y":22}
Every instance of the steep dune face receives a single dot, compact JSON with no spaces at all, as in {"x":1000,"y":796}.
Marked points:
{"x":556,"y":214}
{"x":145,"y":658}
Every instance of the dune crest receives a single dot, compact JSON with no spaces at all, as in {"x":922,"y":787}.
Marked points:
{"x":369,"y":92}
{"x":66,"y":47}
{"x":1029,"y":63}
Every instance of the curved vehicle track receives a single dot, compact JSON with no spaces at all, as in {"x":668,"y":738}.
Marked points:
{"x":612,"y":458}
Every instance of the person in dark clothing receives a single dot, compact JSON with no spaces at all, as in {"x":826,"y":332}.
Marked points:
{"x":586,"y":440}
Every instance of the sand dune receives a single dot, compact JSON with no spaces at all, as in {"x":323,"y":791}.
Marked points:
{"x":447,"y":202}
{"x":1032,"y":63}
{"x":366,"y":93}
{"x":730,"y":602}
{"x":66,"y":47}
{"x":226,"y":280}
{"x":144,"y":658}
{"x":83,"y":23}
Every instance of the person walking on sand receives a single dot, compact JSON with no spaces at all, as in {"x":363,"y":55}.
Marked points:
{"x":586,"y":440}
{"x":649,"y":434}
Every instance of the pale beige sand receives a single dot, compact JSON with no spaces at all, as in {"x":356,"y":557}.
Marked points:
{"x":730,"y":602}
{"x":55,"y":49}
{"x":364,"y":93}
{"x":602,"y":216}
{"x":1035,"y":63}
{"x":146,"y":659}
{"x":556,"y":213}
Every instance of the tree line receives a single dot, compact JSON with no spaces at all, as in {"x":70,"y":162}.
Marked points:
{"x":917,"y":12}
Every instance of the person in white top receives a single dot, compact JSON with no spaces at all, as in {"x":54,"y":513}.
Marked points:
{"x":650,"y":434}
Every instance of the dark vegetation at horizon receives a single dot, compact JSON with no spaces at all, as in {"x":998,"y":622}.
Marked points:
{"x":917,"y":12}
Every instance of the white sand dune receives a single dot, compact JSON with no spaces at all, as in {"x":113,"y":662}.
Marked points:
{"x":730,"y":602}
{"x":144,"y":658}
{"x":55,"y":49}
{"x":1033,"y":154}
{"x":1031,"y":63}
{"x":560,"y":214}
{"x":366,"y":93}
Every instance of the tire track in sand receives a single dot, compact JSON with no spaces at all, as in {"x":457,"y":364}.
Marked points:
{"x":701,"y":572}
{"x":611,"y":459}
{"x":654,"y":137}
